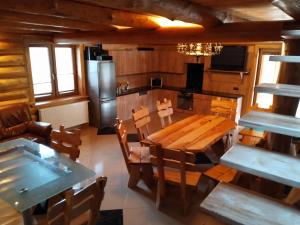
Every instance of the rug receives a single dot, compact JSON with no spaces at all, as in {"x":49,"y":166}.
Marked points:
{"x":111,"y":217}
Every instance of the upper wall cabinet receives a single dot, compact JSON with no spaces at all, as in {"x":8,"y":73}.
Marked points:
{"x":171,"y":62}
{"x":132,"y":61}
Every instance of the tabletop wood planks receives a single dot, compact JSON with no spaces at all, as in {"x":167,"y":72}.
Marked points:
{"x":195,"y":133}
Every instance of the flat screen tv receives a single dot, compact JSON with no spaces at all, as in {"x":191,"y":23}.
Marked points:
{"x":231,"y":58}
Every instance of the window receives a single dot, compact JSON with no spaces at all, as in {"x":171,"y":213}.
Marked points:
{"x":268,"y":72}
{"x":53,"y":71}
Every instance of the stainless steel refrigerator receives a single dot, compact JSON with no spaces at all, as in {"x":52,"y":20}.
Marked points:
{"x":101,"y":79}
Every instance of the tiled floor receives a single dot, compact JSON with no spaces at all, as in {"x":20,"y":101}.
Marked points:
{"x":102,"y":154}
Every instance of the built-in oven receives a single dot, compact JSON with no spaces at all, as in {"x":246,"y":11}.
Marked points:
{"x":185,"y":101}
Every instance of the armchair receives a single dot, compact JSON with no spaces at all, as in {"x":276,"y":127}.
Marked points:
{"x":16,"y":122}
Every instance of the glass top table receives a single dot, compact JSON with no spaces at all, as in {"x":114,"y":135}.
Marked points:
{"x":31,"y":173}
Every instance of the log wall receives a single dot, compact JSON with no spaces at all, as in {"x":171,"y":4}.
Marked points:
{"x":15,"y":80}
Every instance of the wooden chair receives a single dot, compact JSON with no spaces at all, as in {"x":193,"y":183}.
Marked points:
{"x":137,"y":159}
{"x":141,"y":119}
{"x":66,"y":142}
{"x":224,"y":108}
{"x":175,"y":167}
{"x":164,"y":110}
{"x":221,"y":173}
{"x":76,"y":208}
{"x":254,"y":137}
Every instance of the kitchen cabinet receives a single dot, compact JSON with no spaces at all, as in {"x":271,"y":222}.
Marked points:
{"x":133,"y":62}
{"x":126,"y":103}
{"x":171,"y":62}
{"x":201,"y":103}
{"x":141,"y":62}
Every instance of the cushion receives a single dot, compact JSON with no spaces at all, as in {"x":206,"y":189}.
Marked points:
{"x":14,"y":131}
{"x":12,"y":115}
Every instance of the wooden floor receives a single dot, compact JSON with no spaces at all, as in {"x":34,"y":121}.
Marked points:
{"x":103,"y":154}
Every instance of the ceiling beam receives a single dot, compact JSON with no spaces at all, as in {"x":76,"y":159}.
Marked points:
{"x":24,"y":18}
{"x":78,"y":11}
{"x":290,"y":7}
{"x":235,"y":32}
{"x":186,"y":11}
{"x":25,"y":27}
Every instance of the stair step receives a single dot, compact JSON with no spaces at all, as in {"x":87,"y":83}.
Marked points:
{"x":272,"y":122}
{"x":279,"y":89}
{"x":285,"y":58}
{"x":281,"y":168}
{"x":240,"y":206}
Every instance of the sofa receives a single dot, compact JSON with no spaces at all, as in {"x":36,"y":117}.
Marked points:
{"x":16,"y":122}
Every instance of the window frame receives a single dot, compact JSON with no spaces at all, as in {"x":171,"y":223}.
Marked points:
{"x":54,"y":81}
{"x":262,"y":51}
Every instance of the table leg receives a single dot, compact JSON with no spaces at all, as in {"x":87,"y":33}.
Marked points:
{"x":212,"y":155}
{"x":27,"y":217}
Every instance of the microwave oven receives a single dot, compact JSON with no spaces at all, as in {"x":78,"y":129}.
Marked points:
{"x":156,"y":82}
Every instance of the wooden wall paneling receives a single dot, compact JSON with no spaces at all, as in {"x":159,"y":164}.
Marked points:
{"x":249,"y":79}
{"x":201,"y":104}
{"x":81,"y":70}
{"x":12,"y":95}
{"x":142,"y":61}
{"x":15,"y":101}
{"x":14,"y":77}
{"x":253,"y":63}
{"x":171,"y":62}
{"x":12,"y":60}
{"x":13,"y":83}
{"x":29,"y":77}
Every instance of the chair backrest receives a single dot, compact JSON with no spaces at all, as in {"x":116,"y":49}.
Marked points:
{"x":15,"y":114}
{"x":164,"y":110}
{"x":141,"y":119}
{"x":66,"y":142}
{"x":82,"y":206}
{"x":57,"y":213}
{"x":176,"y":159}
{"x":122,"y":137}
{"x":225,"y":108}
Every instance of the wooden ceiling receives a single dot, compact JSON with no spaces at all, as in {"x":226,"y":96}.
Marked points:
{"x":96,"y":20}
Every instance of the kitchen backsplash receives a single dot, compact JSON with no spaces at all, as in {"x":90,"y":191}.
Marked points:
{"x":141,"y":80}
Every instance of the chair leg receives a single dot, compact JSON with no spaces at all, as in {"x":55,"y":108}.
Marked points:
{"x":134,"y":176}
{"x":170,"y":120}
{"x":293,"y":149}
{"x":147,"y":173}
{"x":159,"y":196}
{"x":184,"y":200}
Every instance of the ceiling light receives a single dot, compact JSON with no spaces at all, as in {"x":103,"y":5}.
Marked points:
{"x":165,"y":22}
{"x":121,"y":27}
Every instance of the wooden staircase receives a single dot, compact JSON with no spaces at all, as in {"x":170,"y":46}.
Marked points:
{"x":237,"y":205}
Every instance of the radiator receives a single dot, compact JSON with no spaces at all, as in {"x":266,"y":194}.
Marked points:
{"x":69,"y":115}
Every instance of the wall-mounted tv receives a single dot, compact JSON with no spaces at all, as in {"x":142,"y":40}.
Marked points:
{"x":232,"y":58}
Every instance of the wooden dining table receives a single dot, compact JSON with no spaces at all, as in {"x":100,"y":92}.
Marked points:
{"x":196,"y":133}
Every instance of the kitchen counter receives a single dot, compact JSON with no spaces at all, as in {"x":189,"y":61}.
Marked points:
{"x":147,"y":88}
